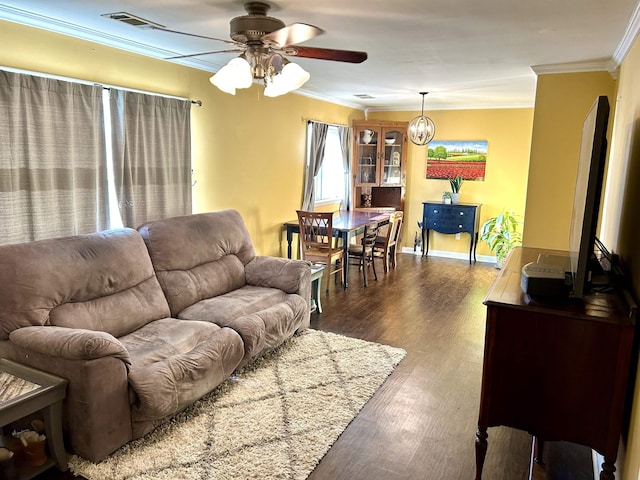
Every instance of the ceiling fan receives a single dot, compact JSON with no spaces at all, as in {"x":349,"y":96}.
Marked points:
{"x":263,"y":42}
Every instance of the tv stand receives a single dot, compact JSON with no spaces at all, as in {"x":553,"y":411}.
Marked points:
{"x":559,"y":371}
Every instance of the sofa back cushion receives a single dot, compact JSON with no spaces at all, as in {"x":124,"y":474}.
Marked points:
{"x":198,"y":256}
{"x":102,"y":281}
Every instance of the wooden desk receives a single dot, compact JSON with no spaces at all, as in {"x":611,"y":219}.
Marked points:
{"x":558,"y":371}
{"x":346,"y":224}
{"x":451,"y":218}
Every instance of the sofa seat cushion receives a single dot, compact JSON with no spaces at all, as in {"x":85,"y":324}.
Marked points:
{"x":173,"y":363}
{"x":264,"y":317}
{"x":236,"y":303}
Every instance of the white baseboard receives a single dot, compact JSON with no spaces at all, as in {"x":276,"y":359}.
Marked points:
{"x":446,"y":254}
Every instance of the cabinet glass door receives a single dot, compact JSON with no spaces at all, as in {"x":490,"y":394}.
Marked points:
{"x":392,"y":158}
{"x":367,"y":157}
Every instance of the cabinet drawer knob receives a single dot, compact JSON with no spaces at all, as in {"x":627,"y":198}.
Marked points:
{"x":435,"y":211}
{"x":461,"y":213}
{"x":459,"y":226}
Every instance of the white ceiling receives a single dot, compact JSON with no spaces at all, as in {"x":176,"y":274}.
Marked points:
{"x":466,"y":53}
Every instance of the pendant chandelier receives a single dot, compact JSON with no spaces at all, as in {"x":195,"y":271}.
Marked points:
{"x":421,"y":129}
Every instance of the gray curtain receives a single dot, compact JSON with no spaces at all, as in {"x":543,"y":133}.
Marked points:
{"x":316,"y":155}
{"x":346,"y":134}
{"x":52,"y":158}
{"x":151,"y":141}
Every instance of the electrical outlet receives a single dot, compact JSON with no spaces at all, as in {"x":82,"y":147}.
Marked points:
{"x":457,"y":236}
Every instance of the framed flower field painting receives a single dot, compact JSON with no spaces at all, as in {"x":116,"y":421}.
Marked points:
{"x":448,"y":159}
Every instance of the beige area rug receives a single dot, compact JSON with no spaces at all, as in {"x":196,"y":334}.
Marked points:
{"x":275,"y":419}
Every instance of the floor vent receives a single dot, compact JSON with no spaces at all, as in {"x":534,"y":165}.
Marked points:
{"x":133,"y":20}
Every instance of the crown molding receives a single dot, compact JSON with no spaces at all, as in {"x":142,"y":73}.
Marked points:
{"x":629,"y":37}
{"x":31,"y":19}
{"x":327,"y":98}
{"x":610,"y":65}
{"x":598,"y":65}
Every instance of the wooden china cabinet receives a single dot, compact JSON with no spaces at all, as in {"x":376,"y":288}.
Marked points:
{"x":379,"y":164}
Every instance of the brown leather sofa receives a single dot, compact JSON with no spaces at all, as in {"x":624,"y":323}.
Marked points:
{"x":91,"y":308}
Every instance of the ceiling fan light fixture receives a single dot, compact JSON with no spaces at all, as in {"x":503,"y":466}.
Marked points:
{"x":294,"y":75}
{"x":421,"y":129}
{"x":235,"y":74}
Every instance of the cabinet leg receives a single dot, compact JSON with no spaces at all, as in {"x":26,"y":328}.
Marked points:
{"x":481,"y":450}
{"x":608,"y":470}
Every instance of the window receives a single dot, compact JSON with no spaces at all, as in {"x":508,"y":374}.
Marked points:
{"x":329,"y":183}
{"x":76,"y":157}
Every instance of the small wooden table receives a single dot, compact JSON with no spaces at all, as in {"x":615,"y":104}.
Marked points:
{"x":346,"y":223}
{"x":25,"y":390}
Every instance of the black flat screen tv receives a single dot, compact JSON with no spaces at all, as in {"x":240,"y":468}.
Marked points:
{"x":586,"y":200}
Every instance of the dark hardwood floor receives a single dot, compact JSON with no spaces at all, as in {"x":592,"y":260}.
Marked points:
{"x":421,"y":423}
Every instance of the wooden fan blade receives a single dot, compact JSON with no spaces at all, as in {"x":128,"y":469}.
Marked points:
{"x":235,"y":50}
{"x":291,"y":35}
{"x":349,"y":56}
{"x":230,"y":42}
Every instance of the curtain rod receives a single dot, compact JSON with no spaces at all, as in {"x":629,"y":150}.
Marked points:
{"x":87,"y":82}
{"x":327,"y":123}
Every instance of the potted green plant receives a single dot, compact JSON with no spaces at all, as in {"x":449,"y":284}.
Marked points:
{"x":501,"y":234}
{"x":456,"y":183}
{"x":446,"y":197}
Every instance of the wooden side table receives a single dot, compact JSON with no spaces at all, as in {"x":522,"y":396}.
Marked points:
{"x":316,"y":279}
{"x":25,"y":390}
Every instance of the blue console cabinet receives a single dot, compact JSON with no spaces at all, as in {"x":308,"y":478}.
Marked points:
{"x":450,"y":219}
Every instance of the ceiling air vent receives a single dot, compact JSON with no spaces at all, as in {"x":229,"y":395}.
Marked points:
{"x":364,"y":96}
{"x":133,"y":20}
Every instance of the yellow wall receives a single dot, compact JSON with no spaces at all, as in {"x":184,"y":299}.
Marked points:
{"x":508,"y":132}
{"x":562,"y":103}
{"x":248,"y":150}
{"x":620,"y":229}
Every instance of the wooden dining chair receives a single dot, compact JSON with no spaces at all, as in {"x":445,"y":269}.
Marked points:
{"x":317,"y":244}
{"x":363,"y":252}
{"x":385,"y":245}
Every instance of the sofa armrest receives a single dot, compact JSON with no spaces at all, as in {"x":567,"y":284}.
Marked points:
{"x":96,"y":411}
{"x":70,"y":343}
{"x":283,"y":273}
{"x":290,"y":276}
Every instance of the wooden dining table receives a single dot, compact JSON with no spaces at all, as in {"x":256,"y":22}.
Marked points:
{"x":346,"y":224}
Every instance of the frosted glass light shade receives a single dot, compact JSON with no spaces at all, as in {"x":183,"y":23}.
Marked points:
{"x":292,"y":77}
{"x":235,"y":74}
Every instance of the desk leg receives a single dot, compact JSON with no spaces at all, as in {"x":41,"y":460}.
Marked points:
{"x":53,"y":428}
{"x":481,"y":450}
{"x":345,"y":258}
{"x":289,"y":240}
